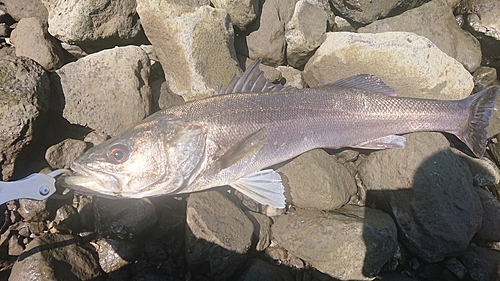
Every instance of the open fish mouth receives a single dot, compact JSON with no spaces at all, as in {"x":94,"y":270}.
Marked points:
{"x":88,"y":182}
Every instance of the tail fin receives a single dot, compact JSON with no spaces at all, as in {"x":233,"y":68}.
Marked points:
{"x":480,"y":105}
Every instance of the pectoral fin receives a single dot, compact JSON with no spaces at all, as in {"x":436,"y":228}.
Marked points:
{"x":391,"y":141}
{"x":264,"y":187}
{"x":245,"y":148}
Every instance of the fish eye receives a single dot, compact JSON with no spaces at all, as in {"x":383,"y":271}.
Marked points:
{"x":118,"y":153}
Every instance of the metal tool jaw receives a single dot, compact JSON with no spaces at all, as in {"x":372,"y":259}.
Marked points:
{"x":35,"y":186}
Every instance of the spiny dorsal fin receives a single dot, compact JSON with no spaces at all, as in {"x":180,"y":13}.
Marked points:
{"x":252,"y":80}
{"x":365,"y":82}
{"x":245,"y":148}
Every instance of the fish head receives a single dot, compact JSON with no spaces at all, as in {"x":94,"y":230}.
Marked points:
{"x":156,"y":157}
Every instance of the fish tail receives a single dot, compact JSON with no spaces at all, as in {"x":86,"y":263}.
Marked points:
{"x":480,"y":106}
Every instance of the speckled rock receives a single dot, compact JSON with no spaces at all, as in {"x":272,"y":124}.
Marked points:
{"x":61,"y":155}
{"x":242,"y":13}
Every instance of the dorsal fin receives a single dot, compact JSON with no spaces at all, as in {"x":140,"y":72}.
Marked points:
{"x":365,"y":82}
{"x":252,"y":80}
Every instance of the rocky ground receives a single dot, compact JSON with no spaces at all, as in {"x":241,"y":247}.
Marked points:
{"x":73,"y":73}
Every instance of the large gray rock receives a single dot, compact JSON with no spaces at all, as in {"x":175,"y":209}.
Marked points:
{"x":101,"y":23}
{"x":56,"y":257}
{"x":32,"y":40}
{"x":316,"y":180}
{"x":490,"y":228}
{"x":194,"y":45}
{"x":217,"y":232}
{"x":410,"y":64}
{"x":242,"y":13}
{"x":266,"y":39}
{"x":365,"y":11}
{"x":350,"y":243}
{"x":24,"y":97}
{"x":428,"y":190}
{"x":304,"y":32}
{"x":441,"y":29}
{"x":115,"y":80}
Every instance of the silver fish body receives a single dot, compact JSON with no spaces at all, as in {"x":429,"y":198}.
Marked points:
{"x":224,"y":139}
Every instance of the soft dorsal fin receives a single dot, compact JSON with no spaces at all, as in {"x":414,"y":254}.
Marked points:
{"x":245,"y":148}
{"x":252,"y":80}
{"x":365,"y":82}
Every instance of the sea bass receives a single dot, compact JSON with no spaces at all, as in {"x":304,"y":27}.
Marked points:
{"x":230,"y":138}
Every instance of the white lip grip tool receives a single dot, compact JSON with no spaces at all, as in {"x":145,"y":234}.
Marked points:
{"x":35,"y":186}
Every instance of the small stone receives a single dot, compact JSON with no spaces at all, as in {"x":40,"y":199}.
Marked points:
{"x":341,"y":24}
{"x":33,"y":210}
{"x":61,"y":155}
{"x":291,"y":76}
{"x":95,"y":137}
{"x":242,"y":13}
{"x":115,"y":254}
{"x":15,"y":246}
{"x":456,"y":267}
{"x":261,"y":229}
{"x":484,"y":18}
{"x":483,"y":77}
{"x":68,"y":216}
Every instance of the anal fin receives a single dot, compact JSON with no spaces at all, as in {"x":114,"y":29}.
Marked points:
{"x":391,"y":141}
{"x":264,"y":187}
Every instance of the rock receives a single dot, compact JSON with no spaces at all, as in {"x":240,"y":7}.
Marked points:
{"x":266,"y":38}
{"x":456,"y":267}
{"x":85,"y":208}
{"x":292,"y":77}
{"x":304,"y":32}
{"x":67,"y":217}
{"x":20,"y":9}
{"x":410,"y":64}
{"x":483,"y":77}
{"x":217,"y":233}
{"x":482,"y":263}
{"x":33,"y":210}
{"x":115,"y":79}
{"x":364,"y":11}
{"x":32,"y":40}
{"x":428,"y":190}
{"x":15,"y":245}
{"x":56,"y":257}
{"x":242,"y":13}
{"x":336,"y":242}
{"x":442,"y":30}
{"x":114,"y":254}
{"x":24,"y":97}
{"x":394,"y":277}
{"x":194,"y":46}
{"x":316,"y":180}
{"x":340,"y":24}
{"x":261,"y":229}
{"x":61,"y":155}
{"x":124,"y":218}
{"x":490,"y":228}
{"x":99,"y":23}
{"x":484,"y":171}
{"x":484,"y":18}
{"x":95,"y":137}
{"x":259,"y":270}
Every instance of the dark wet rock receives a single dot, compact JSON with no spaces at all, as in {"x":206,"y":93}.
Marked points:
{"x":261,"y":229}
{"x":33,"y":210}
{"x":482,"y":263}
{"x":115,"y":79}
{"x":19,"y":9}
{"x":24,"y":97}
{"x":316,"y":180}
{"x":114,"y":254}
{"x":84,"y":207}
{"x":242,"y":13}
{"x":425,"y":71}
{"x":442,"y":30}
{"x":217,"y":233}
{"x":124,"y":218}
{"x":266,"y":38}
{"x":100,"y":23}
{"x":32,"y":40}
{"x":428,"y":190}
{"x":484,"y":76}
{"x":490,"y":229}
{"x":339,"y":247}
{"x":61,"y":155}
{"x":456,"y":267}
{"x":364,"y":11}
{"x":194,"y":43}
{"x":304,"y":32}
{"x":259,"y":270}
{"x":56,"y":257}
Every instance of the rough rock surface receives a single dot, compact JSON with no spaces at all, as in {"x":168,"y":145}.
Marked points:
{"x":316,"y":180}
{"x":304,"y":32}
{"x":442,"y":31}
{"x":194,"y":46}
{"x":114,"y":254}
{"x":484,"y":17}
{"x":61,"y":155}
{"x":349,"y":243}
{"x":410,"y":64}
{"x":490,"y":228}
{"x":428,"y":191}
{"x":20,"y":9}
{"x":218,"y":233}
{"x":482,"y":263}
{"x":115,"y":79}
{"x":31,"y":32}
{"x":24,"y":91}
{"x":365,"y":11}
{"x":242,"y":13}
{"x":56,"y":257}
{"x":93,"y":23}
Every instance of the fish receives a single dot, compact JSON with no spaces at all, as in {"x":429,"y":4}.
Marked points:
{"x":234,"y":137}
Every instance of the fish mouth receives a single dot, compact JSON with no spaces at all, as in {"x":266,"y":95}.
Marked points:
{"x":88,"y":182}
